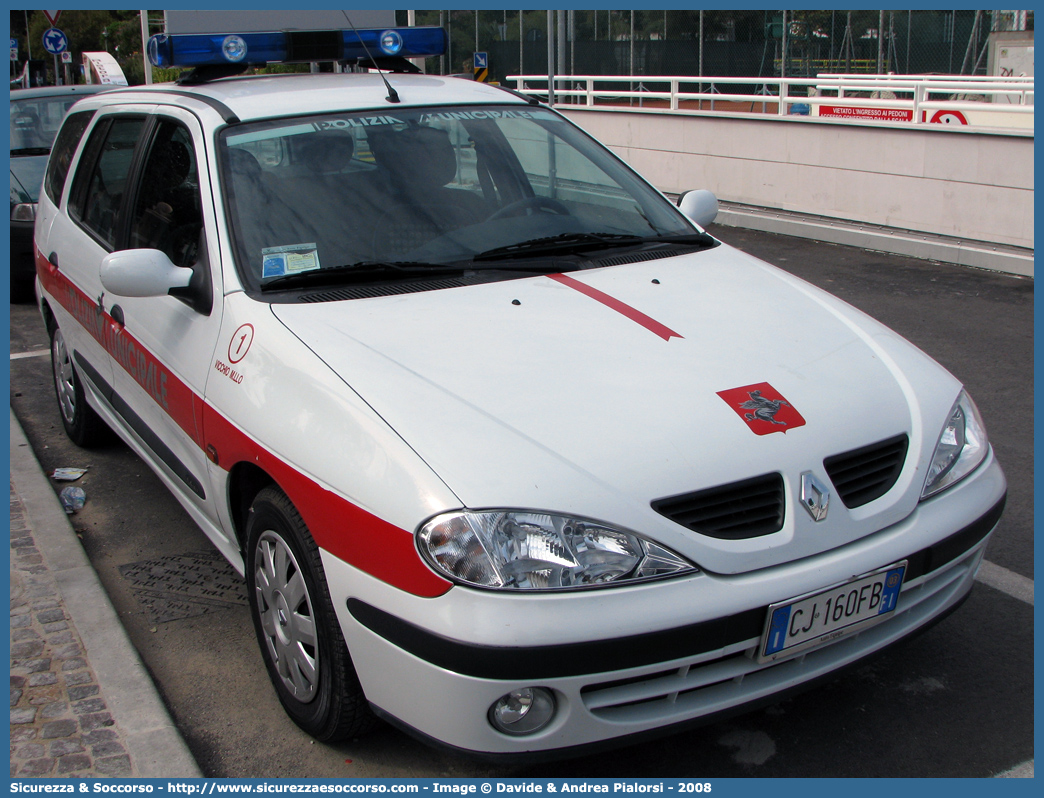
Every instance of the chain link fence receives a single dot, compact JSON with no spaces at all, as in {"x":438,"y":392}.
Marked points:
{"x":721,"y":43}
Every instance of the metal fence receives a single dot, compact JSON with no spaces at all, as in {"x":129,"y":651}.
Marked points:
{"x":723,"y":43}
{"x":976,"y":100}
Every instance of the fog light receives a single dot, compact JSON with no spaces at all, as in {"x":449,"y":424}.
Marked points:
{"x":524,"y":711}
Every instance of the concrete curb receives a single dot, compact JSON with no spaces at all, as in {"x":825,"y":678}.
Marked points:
{"x":152,"y":740}
{"x":1023,"y":771}
{"x":979,"y":255}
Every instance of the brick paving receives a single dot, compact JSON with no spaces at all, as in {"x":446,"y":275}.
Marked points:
{"x":60,"y":723}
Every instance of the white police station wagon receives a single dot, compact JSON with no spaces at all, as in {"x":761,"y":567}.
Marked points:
{"x":511,"y":452}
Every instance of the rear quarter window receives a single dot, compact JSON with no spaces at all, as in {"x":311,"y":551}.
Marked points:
{"x":62,"y":153}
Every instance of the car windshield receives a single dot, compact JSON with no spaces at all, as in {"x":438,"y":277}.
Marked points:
{"x":423,"y":187}
{"x":35,"y":121}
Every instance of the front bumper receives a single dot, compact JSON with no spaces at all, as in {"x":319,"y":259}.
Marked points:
{"x":617,"y":660}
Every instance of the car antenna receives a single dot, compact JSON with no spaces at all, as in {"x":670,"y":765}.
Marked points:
{"x":393,"y":96}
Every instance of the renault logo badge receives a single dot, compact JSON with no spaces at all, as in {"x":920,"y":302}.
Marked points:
{"x":814,"y":496}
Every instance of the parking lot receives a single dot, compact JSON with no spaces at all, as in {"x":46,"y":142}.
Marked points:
{"x":955,"y":701}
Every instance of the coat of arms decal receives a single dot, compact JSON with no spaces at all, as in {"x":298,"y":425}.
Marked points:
{"x":763,"y":408}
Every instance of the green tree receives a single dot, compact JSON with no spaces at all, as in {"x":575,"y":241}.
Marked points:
{"x":87,"y":31}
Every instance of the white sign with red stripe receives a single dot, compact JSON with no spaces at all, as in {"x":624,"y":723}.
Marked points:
{"x":874,"y":114}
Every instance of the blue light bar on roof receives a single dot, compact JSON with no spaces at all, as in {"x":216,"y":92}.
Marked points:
{"x":207,"y":49}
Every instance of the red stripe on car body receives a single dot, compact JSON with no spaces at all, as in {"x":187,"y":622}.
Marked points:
{"x":168,"y":391}
{"x":666,"y":333}
{"x":343,"y":529}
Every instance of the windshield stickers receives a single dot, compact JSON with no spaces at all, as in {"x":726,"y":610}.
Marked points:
{"x":377,"y":121}
{"x":361,"y":121}
{"x":452,"y":115}
{"x":292,"y":259}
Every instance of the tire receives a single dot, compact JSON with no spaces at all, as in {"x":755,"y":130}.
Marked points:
{"x":82,"y":424}
{"x":297,"y":630}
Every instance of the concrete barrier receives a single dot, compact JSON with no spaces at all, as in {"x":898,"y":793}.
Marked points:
{"x":972,"y":189}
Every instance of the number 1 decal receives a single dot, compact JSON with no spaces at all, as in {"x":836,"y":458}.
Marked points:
{"x":240,"y":343}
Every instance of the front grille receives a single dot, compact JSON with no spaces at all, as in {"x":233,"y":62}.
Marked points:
{"x":867,"y":473}
{"x":746,"y":509}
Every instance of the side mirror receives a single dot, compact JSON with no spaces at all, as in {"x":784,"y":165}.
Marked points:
{"x":701,"y":206}
{"x":142,"y":272}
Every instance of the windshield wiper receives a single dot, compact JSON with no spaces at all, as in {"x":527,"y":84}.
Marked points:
{"x":566,"y":242}
{"x":683,"y":239}
{"x":363,"y":271}
{"x":31,"y":151}
{"x":586,"y":242}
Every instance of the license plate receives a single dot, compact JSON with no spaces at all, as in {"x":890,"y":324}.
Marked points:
{"x":820,"y":618}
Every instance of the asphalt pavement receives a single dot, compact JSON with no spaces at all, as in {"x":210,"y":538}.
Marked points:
{"x":106,"y":683}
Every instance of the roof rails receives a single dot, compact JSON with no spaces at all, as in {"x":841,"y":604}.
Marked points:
{"x":529,"y":98}
{"x":205,"y":73}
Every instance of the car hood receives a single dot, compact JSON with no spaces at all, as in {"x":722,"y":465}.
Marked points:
{"x":27,"y":172}
{"x":598,"y":392}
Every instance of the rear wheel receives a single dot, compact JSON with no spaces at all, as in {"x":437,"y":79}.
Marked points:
{"x":83,"y":426}
{"x":297,"y":629}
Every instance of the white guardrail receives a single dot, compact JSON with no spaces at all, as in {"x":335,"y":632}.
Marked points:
{"x":919,"y":99}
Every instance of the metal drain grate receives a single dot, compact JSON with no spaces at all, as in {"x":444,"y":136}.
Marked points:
{"x":184,"y":585}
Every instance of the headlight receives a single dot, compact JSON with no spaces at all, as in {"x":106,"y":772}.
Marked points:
{"x":526,"y":550}
{"x":961,"y":447}
{"x":24,"y":212}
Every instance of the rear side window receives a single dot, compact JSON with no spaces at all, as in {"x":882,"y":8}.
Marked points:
{"x":62,"y":153}
{"x":103,"y":176}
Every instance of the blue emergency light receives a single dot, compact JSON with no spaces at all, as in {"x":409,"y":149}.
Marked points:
{"x":289,"y":47}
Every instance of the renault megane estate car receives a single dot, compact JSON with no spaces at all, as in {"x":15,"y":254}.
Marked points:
{"x":510,"y":451}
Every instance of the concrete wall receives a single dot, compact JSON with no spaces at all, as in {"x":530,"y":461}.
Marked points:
{"x":939,"y":180}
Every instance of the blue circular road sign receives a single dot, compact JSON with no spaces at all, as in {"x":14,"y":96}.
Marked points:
{"x":54,"y":41}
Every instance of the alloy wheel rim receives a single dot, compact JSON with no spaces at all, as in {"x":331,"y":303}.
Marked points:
{"x":287,"y":619}
{"x":64,"y":378}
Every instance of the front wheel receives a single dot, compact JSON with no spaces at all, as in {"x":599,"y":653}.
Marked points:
{"x":297,"y":629}
{"x":83,"y":426}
